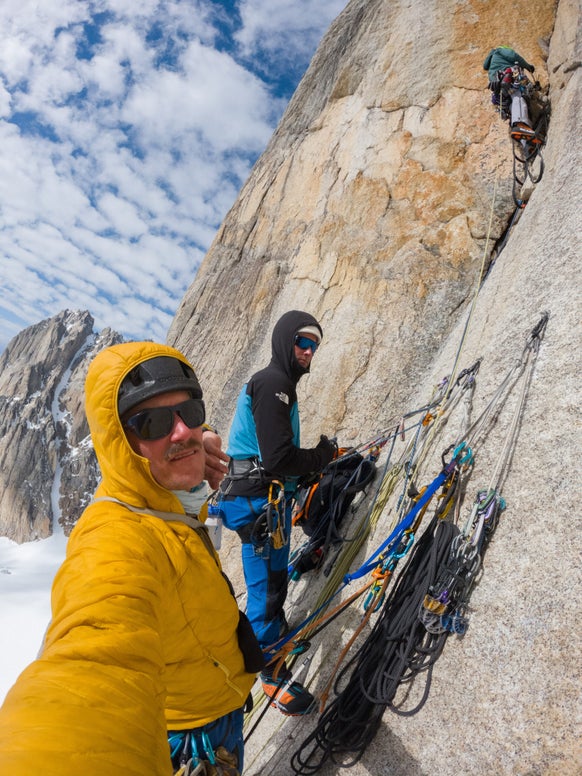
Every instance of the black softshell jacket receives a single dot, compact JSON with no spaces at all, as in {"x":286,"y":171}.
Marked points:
{"x":268,"y":407}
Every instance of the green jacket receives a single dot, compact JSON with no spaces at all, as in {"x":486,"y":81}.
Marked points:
{"x":501,"y":57}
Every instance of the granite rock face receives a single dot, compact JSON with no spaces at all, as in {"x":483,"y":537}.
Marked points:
{"x":383,"y":205}
{"x":371,"y":206}
{"x":48,"y":466}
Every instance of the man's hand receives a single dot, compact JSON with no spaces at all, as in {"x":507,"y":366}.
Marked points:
{"x":216,"y":459}
{"x":327,"y":449}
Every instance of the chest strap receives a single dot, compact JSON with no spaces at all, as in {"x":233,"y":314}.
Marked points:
{"x":169,"y":517}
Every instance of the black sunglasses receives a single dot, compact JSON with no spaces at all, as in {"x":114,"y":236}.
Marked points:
{"x":158,"y":422}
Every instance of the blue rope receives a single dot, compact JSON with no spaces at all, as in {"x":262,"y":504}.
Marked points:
{"x":461,"y":454}
{"x":394,"y":539}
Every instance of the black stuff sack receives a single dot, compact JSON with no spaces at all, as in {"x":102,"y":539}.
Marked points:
{"x":321,"y":506}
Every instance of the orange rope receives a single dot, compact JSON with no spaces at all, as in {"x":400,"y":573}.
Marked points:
{"x":326,"y":690}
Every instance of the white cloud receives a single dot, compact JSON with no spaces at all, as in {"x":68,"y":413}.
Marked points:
{"x":213,"y":102}
{"x":124,"y":139}
{"x":289,"y":27}
{"x":122,"y":215}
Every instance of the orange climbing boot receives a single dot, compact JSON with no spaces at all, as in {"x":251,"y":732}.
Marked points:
{"x":289,"y":697}
{"x":521,"y":131}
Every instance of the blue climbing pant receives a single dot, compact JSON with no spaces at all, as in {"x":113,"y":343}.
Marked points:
{"x":226,"y":731}
{"x":265,"y":568}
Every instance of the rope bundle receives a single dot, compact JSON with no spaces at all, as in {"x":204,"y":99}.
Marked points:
{"x":397,"y":650}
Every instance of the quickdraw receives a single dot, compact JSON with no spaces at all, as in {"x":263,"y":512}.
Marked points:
{"x":275,"y":521}
{"x":270,"y":525}
{"x":375,"y":597}
{"x":444,"y":607}
{"x":219,"y":762}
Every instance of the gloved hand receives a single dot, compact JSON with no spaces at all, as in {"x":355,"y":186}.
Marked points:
{"x":532,"y":69}
{"x":327,"y":450}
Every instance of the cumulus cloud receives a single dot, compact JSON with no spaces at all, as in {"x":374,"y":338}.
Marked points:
{"x":126,"y":131}
{"x":288,"y":30}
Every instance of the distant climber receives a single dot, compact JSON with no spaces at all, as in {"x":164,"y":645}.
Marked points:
{"x":509,"y":87}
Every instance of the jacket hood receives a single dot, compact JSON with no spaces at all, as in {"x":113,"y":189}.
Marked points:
{"x":282,"y":342}
{"x":125,"y":474}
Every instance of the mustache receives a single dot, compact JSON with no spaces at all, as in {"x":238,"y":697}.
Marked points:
{"x":181,"y":447}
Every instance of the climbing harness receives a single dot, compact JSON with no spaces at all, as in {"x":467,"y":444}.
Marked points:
{"x":269,"y":527}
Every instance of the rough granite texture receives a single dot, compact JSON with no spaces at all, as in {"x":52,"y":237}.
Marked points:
{"x":383,"y":194}
{"x":386,"y":185}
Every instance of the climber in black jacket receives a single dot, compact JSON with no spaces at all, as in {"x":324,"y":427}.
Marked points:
{"x":264,"y":447}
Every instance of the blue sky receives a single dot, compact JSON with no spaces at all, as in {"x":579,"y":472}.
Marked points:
{"x":126,"y":132}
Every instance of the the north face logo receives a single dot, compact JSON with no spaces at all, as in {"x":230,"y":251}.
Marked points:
{"x":282,"y":397}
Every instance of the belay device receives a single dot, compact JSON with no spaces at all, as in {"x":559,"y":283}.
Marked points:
{"x":321,"y":506}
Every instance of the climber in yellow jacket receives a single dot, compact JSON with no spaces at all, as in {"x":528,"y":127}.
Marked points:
{"x":145,"y":640}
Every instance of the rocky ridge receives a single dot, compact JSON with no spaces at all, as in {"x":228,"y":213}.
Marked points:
{"x":48,"y":464}
{"x":383,"y":191}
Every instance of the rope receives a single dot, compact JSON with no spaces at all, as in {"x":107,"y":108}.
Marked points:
{"x":428,"y":602}
{"x":397,"y":648}
{"x":478,"y":284}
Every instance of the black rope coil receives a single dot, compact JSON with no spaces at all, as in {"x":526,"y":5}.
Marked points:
{"x":398,"y":649}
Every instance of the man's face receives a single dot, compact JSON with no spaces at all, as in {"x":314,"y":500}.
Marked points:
{"x":176,"y":460}
{"x":304,"y":349}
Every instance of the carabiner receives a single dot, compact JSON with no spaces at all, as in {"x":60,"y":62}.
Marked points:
{"x":207,"y":744}
{"x":467,"y":458}
{"x":275,"y":501}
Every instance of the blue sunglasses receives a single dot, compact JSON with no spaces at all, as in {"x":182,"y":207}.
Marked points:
{"x":305,"y":342}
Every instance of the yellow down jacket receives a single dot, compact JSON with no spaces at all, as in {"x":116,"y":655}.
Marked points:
{"x":143,"y":631}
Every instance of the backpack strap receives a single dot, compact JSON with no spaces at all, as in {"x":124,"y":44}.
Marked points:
{"x":252,"y":653}
{"x":190,"y":520}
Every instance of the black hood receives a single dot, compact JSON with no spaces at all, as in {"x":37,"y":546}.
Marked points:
{"x":283,"y":341}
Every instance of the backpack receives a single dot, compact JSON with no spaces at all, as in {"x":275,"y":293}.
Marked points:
{"x":321,"y":506}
